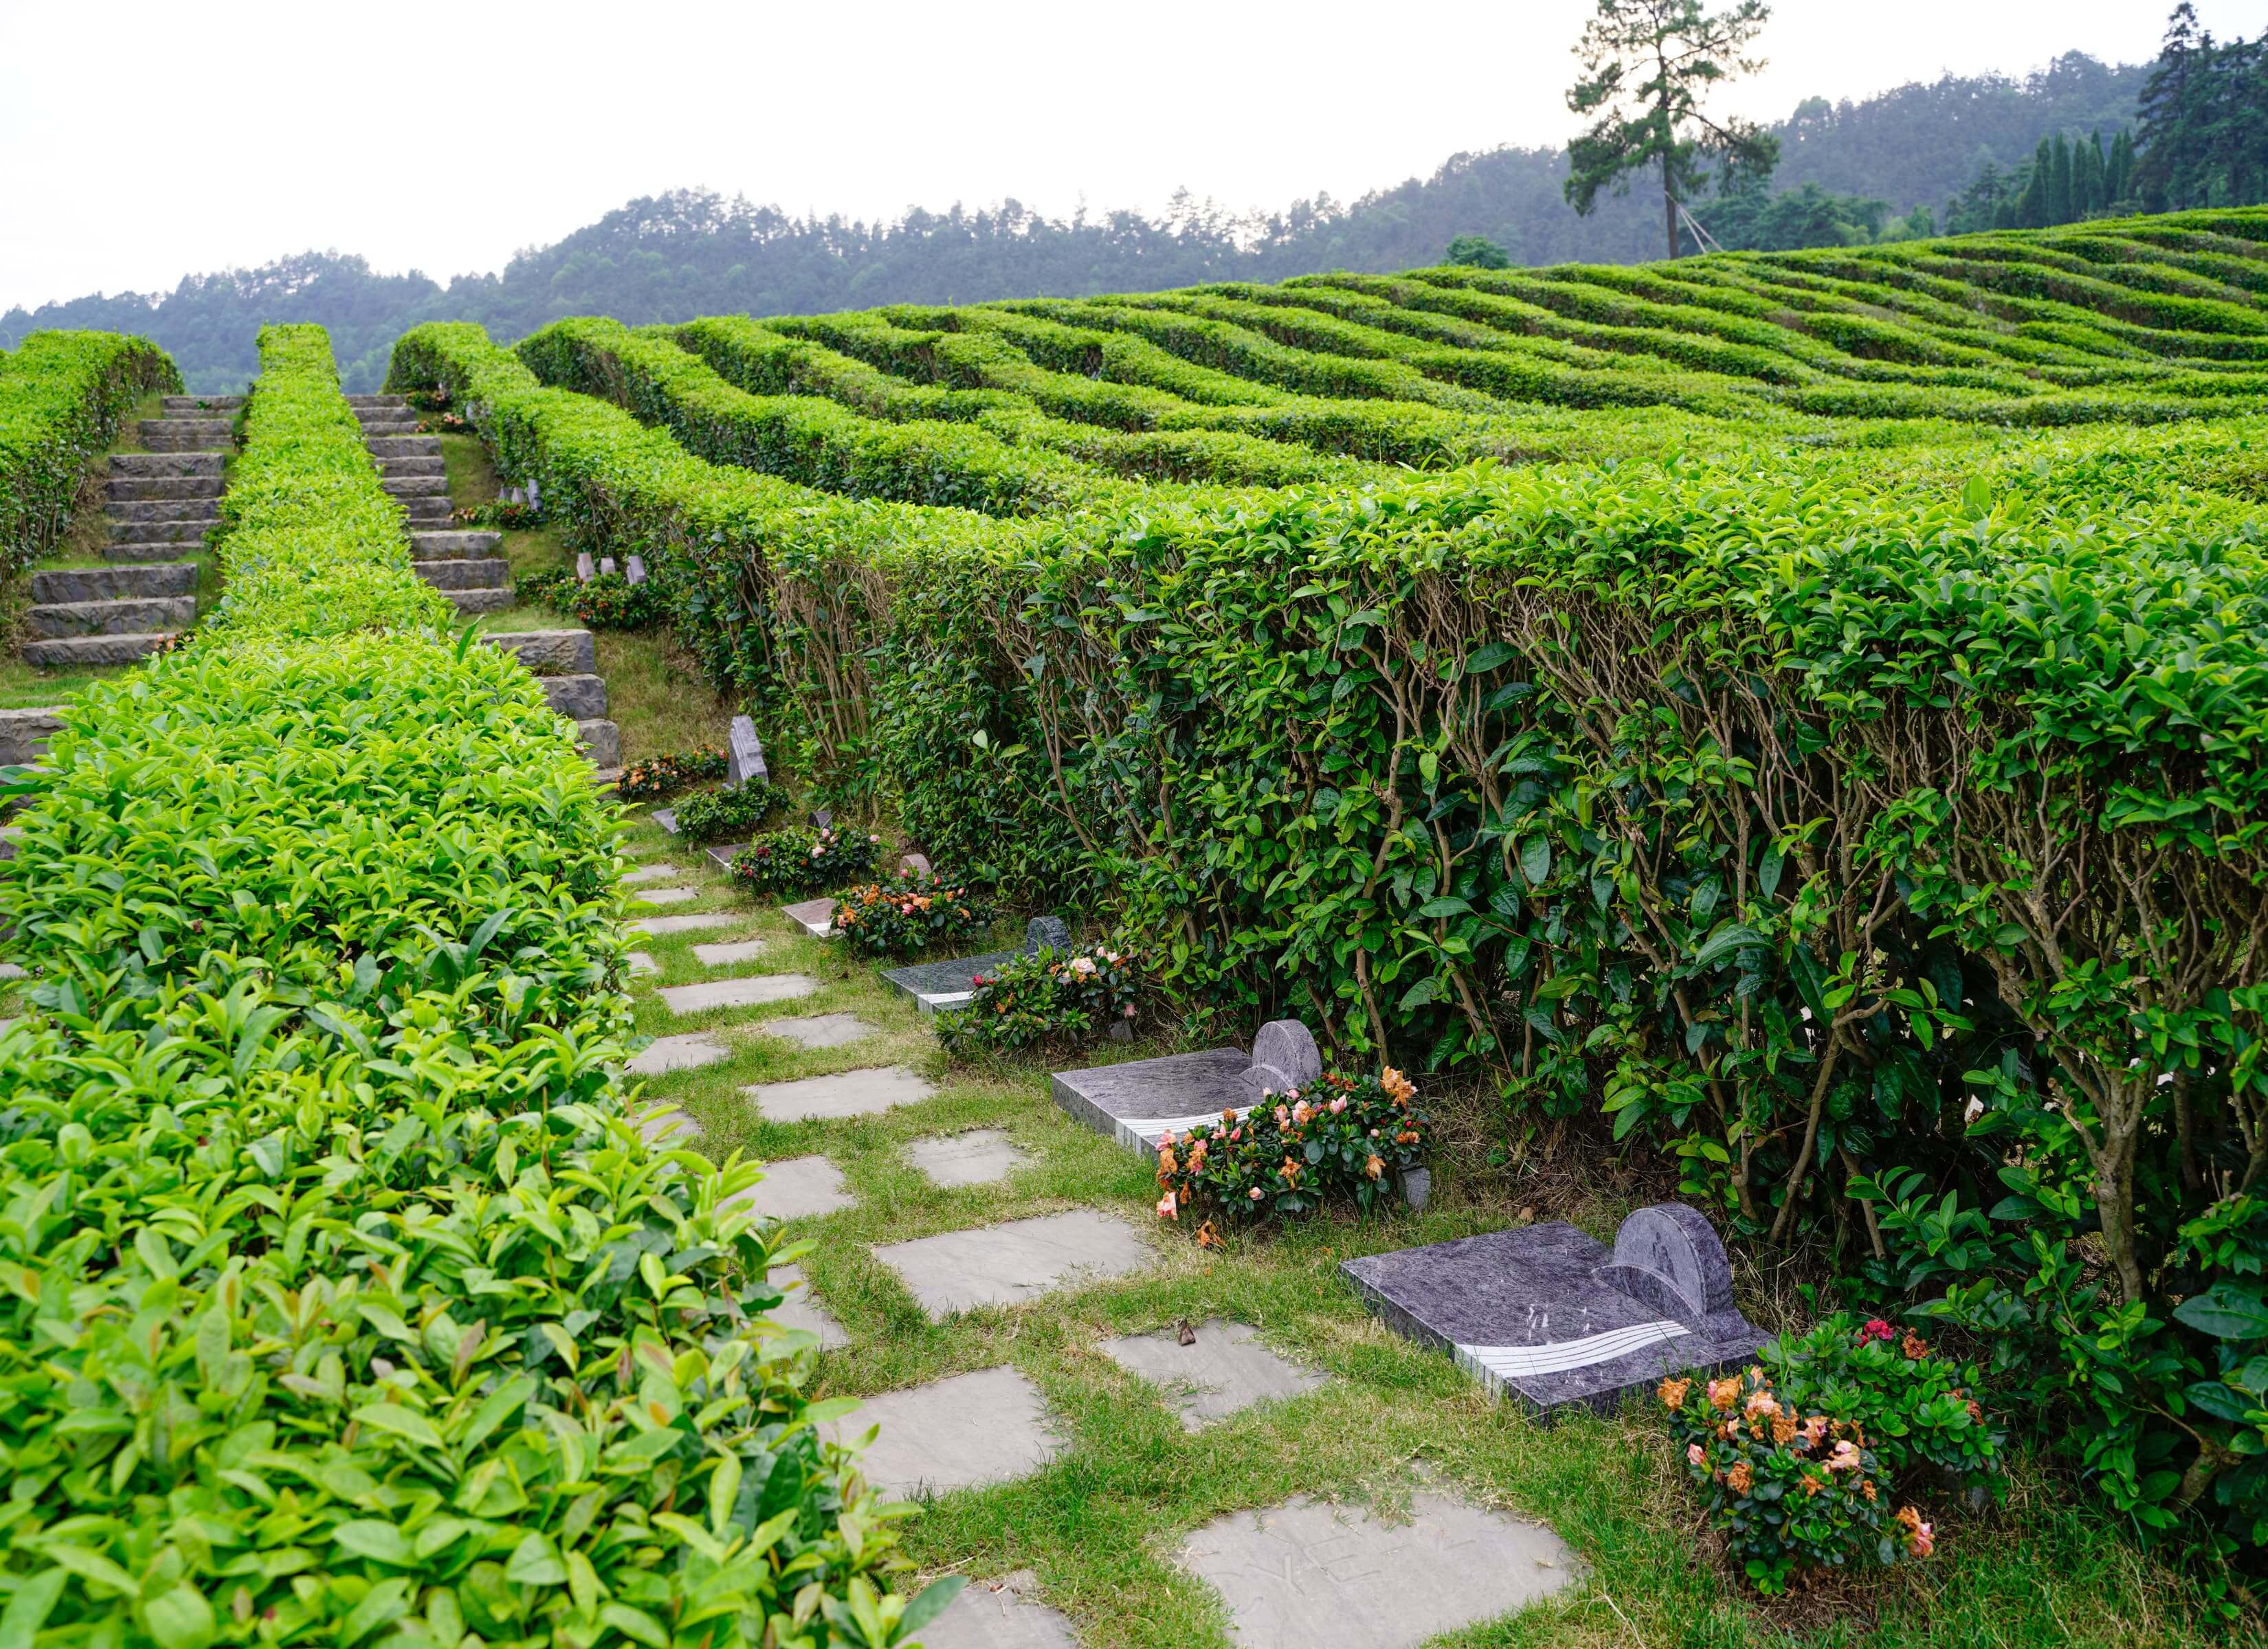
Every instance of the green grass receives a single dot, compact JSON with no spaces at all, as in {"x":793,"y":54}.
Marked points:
{"x":1100,"y":1525}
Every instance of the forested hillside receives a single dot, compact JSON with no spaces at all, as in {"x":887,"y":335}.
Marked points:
{"x":691,"y":252}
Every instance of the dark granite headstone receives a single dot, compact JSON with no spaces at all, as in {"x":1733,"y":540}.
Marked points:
{"x":949,"y":985}
{"x":1137,"y":1102}
{"x":820,"y":818}
{"x":1553,"y":1317}
{"x":744,"y":756}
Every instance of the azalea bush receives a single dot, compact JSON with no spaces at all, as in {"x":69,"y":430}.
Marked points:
{"x":1045,"y":999}
{"x":662,"y":775}
{"x":801,"y":861}
{"x":907,"y":915}
{"x":508,"y":515}
{"x":732,"y":812}
{"x":1804,"y":1456}
{"x":1338,"y":1136}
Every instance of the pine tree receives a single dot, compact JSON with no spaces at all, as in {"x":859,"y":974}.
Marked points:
{"x":2032,"y":208}
{"x":2167,"y":110}
{"x":2120,"y":173}
{"x":2087,"y":196}
{"x":2058,"y":206}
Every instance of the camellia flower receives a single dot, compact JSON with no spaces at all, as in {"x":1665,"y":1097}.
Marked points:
{"x":1723,"y":1394}
{"x":1257,"y":1193}
{"x":1398,"y":1088}
{"x":1301,"y":1112}
{"x":1761,"y":1403}
{"x":1877,"y":1329}
{"x":1693,"y":1452}
{"x":1166,"y":1162}
{"x":1283,"y":1117}
{"x":1339,"y":1105}
{"x":1167,"y":1208}
{"x":1843,"y":1457}
{"x":1672,"y":1392}
{"x":1082,"y":964}
{"x":1740,"y":1478}
{"x":1375,"y":1168}
{"x":1915,"y":1347}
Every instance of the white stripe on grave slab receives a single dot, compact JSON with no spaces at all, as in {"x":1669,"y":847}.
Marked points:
{"x":1151,"y":1129}
{"x":1557,"y":1357}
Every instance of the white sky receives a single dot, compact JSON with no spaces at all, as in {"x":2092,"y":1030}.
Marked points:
{"x":140,"y":141}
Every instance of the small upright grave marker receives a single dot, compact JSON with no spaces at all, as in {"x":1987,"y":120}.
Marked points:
{"x":744,"y":753}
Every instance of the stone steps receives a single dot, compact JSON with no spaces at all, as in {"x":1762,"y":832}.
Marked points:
{"x":483,"y":574}
{"x":151,"y":465}
{"x":411,"y":486}
{"x":385,"y":447}
{"x":378,"y":424}
{"x":127,"y":511}
{"x":408,"y":466}
{"x":157,"y":550}
{"x":24,"y":734}
{"x":176,"y":532}
{"x":192,"y":406}
{"x":186,"y":435}
{"x":488,"y":600}
{"x":428,"y":511}
{"x":360,"y":402}
{"x":58,"y":620}
{"x":82,"y":650}
{"x":602,"y":743}
{"x":84,"y":586}
{"x":548,"y":651}
{"x":138,"y":488}
{"x":577,"y":698}
{"x":451,"y":546}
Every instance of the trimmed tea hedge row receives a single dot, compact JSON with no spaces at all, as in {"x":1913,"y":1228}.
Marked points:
{"x":62,"y":396}
{"x":339,"y":1301}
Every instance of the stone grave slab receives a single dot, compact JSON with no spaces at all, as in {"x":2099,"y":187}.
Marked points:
{"x":1138,"y":1102}
{"x":665,"y":1126}
{"x":820,"y":1030}
{"x":1225,"y":1369}
{"x":846,"y":1093}
{"x":678,"y":1053}
{"x":983,"y":1156}
{"x":1021,"y":1259}
{"x":665,"y":895}
{"x":649,"y":873}
{"x":641,"y":963}
{"x":725,"y":956}
{"x":748,"y":991}
{"x":970,"y":1430}
{"x":814,"y":916}
{"x":1307,"y":1575}
{"x":723,"y":853}
{"x":744,"y":753}
{"x":1003,"y":1613}
{"x":662,"y":927}
{"x":948,"y":985}
{"x":799,"y":1310}
{"x":1551,"y":1317}
{"x":797,"y":1187}
{"x":667,"y":818}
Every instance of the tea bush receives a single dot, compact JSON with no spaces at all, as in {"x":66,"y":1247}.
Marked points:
{"x":1341,"y":1137}
{"x":338,"y":1296}
{"x":1045,"y":999}
{"x":62,"y":396}
{"x":908,"y":914}
{"x":798,"y":861}
{"x":660,"y":776}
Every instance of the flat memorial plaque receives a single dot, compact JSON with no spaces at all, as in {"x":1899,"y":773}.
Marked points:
{"x":1138,"y":1102}
{"x":950,"y":985}
{"x":1552,"y":1317}
{"x":814,"y":916}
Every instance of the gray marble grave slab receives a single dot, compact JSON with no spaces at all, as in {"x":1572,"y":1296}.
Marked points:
{"x":678,"y":1053}
{"x":797,"y":1187}
{"x":991,"y":1426}
{"x":948,"y":985}
{"x":667,"y":818}
{"x":846,"y":1093}
{"x":820,"y":1030}
{"x":1309,"y":1575}
{"x":750,"y":991}
{"x":814,"y":916}
{"x":1021,"y":1259}
{"x":1552,"y":1317}
{"x":800,"y":1311}
{"x":1223,"y":1369}
{"x":1138,"y":1102}
{"x":1003,"y":1613}
{"x":983,"y":1156}
{"x":723,"y":853}
{"x":744,"y":753}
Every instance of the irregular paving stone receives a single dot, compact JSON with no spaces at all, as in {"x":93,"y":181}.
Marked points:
{"x":745,"y":992}
{"x":820,"y":1030}
{"x":642,"y":963}
{"x":1305,"y":1575}
{"x":679,"y":1053}
{"x":725,"y":955}
{"x":649,"y":873}
{"x":667,"y":895}
{"x":991,"y":1426}
{"x":1008,"y":1264}
{"x":656,"y":927}
{"x":1225,"y":1368}
{"x":846,"y":1093}
{"x":980,"y":1156}
{"x":798,"y":1310}
{"x":1000,"y":1614}
{"x":795,"y":1188}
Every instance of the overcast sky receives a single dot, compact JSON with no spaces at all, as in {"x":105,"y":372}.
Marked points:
{"x":141,"y":142}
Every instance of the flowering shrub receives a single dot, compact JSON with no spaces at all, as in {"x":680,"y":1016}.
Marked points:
{"x":497,"y":513}
{"x":905,"y":915}
{"x":444,"y":424}
{"x":1046,"y":998}
{"x":1800,"y":1473}
{"x":661,"y":775}
{"x":802,"y":861}
{"x":1340,"y":1135}
{"x":607,"y":601}
{"x":721,"y":815}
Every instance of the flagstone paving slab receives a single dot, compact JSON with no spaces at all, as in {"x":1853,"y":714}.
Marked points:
{"x":649,"y":873}
{"x":679,"y":1053}
{"x":667,"y":895}
{"x":1307,"y":1575}
{"x":795,"y":1188}
{"x":846,"y":1093}
{"x":1008,"y":1264}
{"x":747,"y":993}
{"x":991,"y":1426}
{"x":820,"y":1030}
{"x":1225,"y":1368}
{"x":642,"y":963}
{"x":659,"y":927}
{"x":981,"y":1156}
{"x":725,"y":955}
{"x":1001,"y":1614}
{"x":799,"y":1310}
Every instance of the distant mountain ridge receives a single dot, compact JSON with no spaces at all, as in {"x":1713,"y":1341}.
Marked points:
{"x":691,"y":252}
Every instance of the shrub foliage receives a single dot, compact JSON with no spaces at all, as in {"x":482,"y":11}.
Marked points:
{"x":62,"y":396}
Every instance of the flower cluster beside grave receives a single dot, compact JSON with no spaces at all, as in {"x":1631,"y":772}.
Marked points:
{"x":803,"y":860}
{"x":1048,"y":998}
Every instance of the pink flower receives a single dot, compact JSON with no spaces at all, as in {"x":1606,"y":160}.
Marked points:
{"x":1167,"y":1208}
{"x":1257,"y":1193}
{"x":1693,"y":1454}
{"x":1844,"y":1457}
{"x":1924,"y":1540}
{"x":1283,"y":1117}
{"x":1339,"y":1105}
{"x":1130,"y":1010}
{"x":1877,"y":1329}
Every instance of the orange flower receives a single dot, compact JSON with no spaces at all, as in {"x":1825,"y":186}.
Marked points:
{"x":1812,"y":1486}
{"x":1783,"y":1428}
{"x":1914,"y":1346}
{"x":1375,"y":1168}
{"x":1723,"y":1394}
{"x":1208,"y":1237}
{"x":1168,"y":1163}
{"x":1672,"y":1392}
{"x":1866,"y":1487}
{"x":1741,"y":1477}
{"x":1398,"y":1088}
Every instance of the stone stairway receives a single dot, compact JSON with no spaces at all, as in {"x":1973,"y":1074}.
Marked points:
{"x":566,"y":662}
{"x":459,"y":564}
{"x":159,"y":505}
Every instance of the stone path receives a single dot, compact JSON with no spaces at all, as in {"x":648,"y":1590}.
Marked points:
{"x":157,"y":506}
{"x":1008,"y":1264}
{"x":991,"y":1426}
{"x":1222,"y":1369}
{"x":980,"y":1156}
{"x":1000,"y":1614}
{"x":846,"y":1094}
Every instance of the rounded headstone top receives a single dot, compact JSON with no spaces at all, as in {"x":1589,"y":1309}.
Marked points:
{"x":915,"y":864}
{"x":820,"y":818}
{"x":1669,"y":1253}
{"x":1046,"y":933}
{"x":1285,"y":1056}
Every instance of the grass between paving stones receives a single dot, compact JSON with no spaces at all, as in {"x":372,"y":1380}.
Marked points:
{"x":1100,"y":1524}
